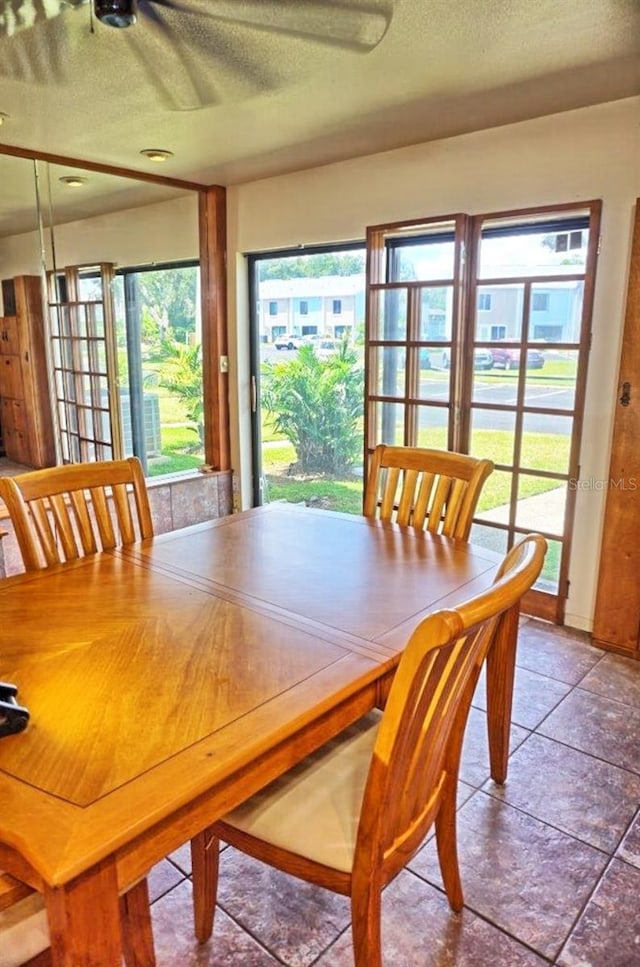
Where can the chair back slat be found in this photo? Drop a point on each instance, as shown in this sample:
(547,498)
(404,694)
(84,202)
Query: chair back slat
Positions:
(436,490)
(102,517)
(43,527)
(80,522)
(419,742)
(123,512)
(423,497)
(63,513)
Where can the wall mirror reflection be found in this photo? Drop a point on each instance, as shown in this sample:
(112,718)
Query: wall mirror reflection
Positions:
(100,275)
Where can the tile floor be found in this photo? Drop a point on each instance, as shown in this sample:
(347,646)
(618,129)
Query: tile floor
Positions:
(550,862)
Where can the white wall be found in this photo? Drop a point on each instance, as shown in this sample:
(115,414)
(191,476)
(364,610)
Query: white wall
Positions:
(579,155)
(162,232)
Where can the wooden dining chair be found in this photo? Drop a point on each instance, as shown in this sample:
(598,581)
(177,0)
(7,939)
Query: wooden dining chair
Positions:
(435,490)
(62,513)
(351,815)
(24,932)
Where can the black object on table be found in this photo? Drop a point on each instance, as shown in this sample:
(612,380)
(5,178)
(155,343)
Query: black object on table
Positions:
(13,717)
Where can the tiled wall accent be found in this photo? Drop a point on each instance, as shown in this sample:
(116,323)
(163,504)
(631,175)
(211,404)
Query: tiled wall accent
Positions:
(176,501)
(184,499)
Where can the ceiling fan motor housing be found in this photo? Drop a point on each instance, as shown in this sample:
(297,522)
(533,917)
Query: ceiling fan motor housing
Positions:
(115,13)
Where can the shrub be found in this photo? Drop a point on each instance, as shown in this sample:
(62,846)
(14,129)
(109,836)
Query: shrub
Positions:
(317,405)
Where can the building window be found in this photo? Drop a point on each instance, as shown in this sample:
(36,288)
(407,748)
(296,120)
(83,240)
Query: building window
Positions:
(304,308)
(273,308)
(567,241)
(337,307)
(540,301)
(498,332)
(484,301)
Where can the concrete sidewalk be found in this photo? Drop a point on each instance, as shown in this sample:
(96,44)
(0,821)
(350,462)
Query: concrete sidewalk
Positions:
(543,512)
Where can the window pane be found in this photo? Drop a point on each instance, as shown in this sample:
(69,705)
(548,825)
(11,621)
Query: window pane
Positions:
(422,262)
(89,286)
(503,319)
(392,315)
(492,435)
(83,356)
(435,313)
(556,312)
(530,253)
(433,426)
(79,321)
(433,379)
(546,442)
(391,371)
(389,422)
(490,537)
(548,580)
(541,504)
(493,503)
(554,386)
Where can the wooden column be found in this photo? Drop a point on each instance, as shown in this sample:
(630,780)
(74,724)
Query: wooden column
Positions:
(213,281)
(617,616)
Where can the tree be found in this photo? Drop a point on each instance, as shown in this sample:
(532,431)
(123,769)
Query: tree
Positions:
(168,300)
(313,266)
(317,404)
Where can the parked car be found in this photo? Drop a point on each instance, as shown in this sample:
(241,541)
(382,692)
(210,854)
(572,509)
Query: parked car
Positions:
(482,359)
(288,341)
(505,357)
(327,347)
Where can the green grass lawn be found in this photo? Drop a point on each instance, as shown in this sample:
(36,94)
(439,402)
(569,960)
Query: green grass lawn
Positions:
(177,453)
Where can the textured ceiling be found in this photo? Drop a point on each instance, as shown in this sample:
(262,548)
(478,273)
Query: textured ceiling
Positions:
(242,89)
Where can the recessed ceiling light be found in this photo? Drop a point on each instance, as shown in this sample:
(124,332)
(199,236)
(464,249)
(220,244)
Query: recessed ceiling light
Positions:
(3,117)
(157,154)
(73,181)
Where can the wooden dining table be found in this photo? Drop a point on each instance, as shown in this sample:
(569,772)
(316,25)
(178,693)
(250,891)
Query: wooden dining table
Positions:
(169,680)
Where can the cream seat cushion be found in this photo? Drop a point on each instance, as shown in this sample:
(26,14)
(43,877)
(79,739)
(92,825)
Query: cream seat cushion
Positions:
(314,809)
(23,931)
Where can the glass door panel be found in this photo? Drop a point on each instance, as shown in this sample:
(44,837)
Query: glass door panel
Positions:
(546,443)
(308,374)
(391,362)
(436,305)
(392,314)
(433,427)
(418,260)
(530,313)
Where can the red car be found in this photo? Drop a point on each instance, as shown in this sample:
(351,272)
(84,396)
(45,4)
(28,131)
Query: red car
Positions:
(509,358)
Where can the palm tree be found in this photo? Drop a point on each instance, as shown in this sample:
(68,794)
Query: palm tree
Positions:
(182,374)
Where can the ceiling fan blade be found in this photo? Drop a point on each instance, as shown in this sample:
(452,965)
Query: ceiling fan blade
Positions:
(339,23)
(38,56)
(19,15)
(192,39)
(186,89)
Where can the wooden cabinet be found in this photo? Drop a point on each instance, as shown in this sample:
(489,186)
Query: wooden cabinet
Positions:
(25,407)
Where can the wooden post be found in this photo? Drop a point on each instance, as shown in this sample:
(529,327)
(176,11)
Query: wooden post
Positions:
(213,281)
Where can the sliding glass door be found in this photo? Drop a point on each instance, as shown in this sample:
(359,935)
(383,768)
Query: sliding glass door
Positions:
(308,376)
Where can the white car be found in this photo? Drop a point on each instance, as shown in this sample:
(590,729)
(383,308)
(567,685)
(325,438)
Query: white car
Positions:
(288,341)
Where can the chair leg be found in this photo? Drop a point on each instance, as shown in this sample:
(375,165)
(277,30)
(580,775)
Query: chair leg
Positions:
(366,912)
(137,935)
(446,841)
(205,861)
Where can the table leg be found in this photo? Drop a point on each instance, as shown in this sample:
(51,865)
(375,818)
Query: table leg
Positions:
(84,920)
(501,664)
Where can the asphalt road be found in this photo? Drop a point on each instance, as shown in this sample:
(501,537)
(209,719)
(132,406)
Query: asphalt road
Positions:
(491,390)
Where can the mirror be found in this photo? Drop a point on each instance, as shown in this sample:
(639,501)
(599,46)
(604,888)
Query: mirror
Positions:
(111,249)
